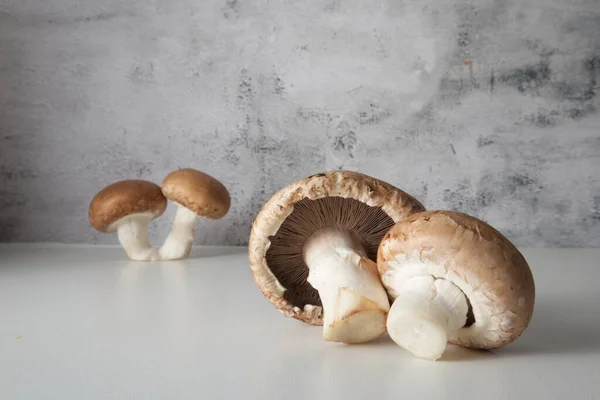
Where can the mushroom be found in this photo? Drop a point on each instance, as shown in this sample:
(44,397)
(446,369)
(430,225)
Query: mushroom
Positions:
(454,278)
(313,246)
(126,207)
(196,195)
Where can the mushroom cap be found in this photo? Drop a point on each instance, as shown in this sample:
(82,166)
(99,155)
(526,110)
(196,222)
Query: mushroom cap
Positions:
(364,195)
(124,198)
(197,191)
(484,264)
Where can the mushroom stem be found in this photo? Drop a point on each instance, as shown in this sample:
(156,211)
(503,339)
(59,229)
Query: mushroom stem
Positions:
(179,242)
(355,303)
(133,236)
(425,313)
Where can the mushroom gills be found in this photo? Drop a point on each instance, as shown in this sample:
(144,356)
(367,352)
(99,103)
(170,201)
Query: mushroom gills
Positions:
(355,303)
(425,313)
(285,253)
(133,236)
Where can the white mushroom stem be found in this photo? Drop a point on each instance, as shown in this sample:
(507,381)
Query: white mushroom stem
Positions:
(133,236)
(179,242)
(355,303)
(425,313)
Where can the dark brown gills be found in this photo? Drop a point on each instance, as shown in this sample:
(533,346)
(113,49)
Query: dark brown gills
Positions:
(284,256)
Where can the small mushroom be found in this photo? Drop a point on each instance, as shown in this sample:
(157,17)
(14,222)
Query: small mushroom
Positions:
(313,247)
(126,207)
(196,195)
(454,278)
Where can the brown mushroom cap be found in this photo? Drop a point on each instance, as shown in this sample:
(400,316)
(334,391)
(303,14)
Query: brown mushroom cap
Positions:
(197,191)
(356,202)
(125,198)
(484,264)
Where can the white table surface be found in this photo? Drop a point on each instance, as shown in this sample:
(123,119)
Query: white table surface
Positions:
(81,322)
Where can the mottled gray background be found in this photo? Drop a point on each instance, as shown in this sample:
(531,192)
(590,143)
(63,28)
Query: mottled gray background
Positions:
(489,107)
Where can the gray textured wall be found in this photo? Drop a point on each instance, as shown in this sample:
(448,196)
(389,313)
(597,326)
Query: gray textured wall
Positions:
(489,107)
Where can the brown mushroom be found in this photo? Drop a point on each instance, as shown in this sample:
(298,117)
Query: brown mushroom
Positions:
(313,247)
(126,207)
(196,195)
(454,278)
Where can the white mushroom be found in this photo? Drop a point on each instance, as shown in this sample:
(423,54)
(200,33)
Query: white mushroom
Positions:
(126,207)
(454,278)
(313,248)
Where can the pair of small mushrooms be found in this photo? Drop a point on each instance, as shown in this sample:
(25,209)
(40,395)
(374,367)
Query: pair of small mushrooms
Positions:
(336,249)
(126,207)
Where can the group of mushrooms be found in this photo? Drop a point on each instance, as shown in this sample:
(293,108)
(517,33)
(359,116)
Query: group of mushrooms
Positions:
(354,254)
(126,207)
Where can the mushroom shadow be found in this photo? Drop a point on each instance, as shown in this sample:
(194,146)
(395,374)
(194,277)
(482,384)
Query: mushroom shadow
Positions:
(452,353)
(216,251)
(566,323)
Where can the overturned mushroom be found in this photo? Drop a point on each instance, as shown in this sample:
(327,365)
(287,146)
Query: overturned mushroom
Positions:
(196,195)
(126,207)
(313,246)
(454,278)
